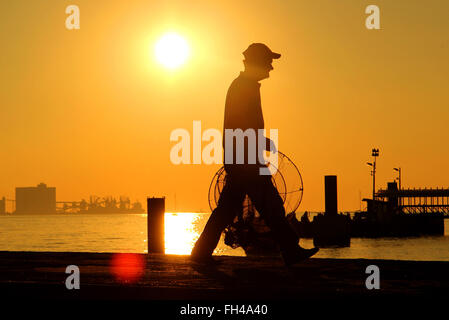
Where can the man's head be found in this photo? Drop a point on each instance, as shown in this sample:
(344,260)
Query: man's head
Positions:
(258,59)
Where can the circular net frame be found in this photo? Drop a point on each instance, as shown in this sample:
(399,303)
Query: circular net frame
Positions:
(248,230)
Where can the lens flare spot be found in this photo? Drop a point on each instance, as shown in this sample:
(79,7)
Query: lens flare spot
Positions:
(127,267)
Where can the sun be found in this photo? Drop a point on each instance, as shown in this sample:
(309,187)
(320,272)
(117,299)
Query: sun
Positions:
(172,50)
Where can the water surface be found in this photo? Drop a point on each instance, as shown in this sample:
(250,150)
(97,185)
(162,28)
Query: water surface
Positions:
(127,233)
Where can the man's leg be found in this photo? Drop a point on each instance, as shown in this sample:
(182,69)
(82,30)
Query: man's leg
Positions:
(231,199)
(268,203)
(270,206)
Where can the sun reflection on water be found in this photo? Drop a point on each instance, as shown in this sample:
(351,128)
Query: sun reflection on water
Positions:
(181,232)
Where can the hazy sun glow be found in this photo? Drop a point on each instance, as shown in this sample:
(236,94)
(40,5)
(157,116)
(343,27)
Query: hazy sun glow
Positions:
(172,50)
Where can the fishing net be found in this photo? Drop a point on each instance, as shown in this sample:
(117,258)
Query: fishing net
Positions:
(248,230)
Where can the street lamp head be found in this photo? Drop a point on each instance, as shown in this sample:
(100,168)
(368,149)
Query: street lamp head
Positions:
(395,169)
(369,163)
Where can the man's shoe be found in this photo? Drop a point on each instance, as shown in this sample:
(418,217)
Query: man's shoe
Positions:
(300,255)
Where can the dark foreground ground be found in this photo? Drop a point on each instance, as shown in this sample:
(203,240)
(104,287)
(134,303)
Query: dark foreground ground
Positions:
(41,275)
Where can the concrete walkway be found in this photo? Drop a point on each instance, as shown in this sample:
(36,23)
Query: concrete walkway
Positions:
(42,275)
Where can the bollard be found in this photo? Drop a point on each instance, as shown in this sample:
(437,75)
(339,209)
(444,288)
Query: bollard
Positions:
(330,194)
(156,225)
(331,229)
(2,205)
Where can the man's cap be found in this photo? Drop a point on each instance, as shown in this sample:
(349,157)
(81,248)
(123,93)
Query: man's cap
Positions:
(259,51)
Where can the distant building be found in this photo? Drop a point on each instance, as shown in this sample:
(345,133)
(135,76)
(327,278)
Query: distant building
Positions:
(38,199)
(2,205)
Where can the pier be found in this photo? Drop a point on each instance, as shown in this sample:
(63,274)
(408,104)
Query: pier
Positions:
(41,275)
(418,201)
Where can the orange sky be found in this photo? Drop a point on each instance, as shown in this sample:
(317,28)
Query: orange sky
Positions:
(89,111)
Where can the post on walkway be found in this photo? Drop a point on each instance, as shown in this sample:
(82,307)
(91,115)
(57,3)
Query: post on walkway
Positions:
(2,205)
(155,225)
(330,195)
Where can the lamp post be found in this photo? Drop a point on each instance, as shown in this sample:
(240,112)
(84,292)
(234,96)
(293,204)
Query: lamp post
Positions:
(399,179)
(375,154)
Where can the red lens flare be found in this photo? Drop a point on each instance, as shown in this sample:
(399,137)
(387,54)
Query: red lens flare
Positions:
(127,267)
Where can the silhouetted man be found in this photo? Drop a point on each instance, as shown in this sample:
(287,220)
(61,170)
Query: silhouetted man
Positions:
(243,111)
